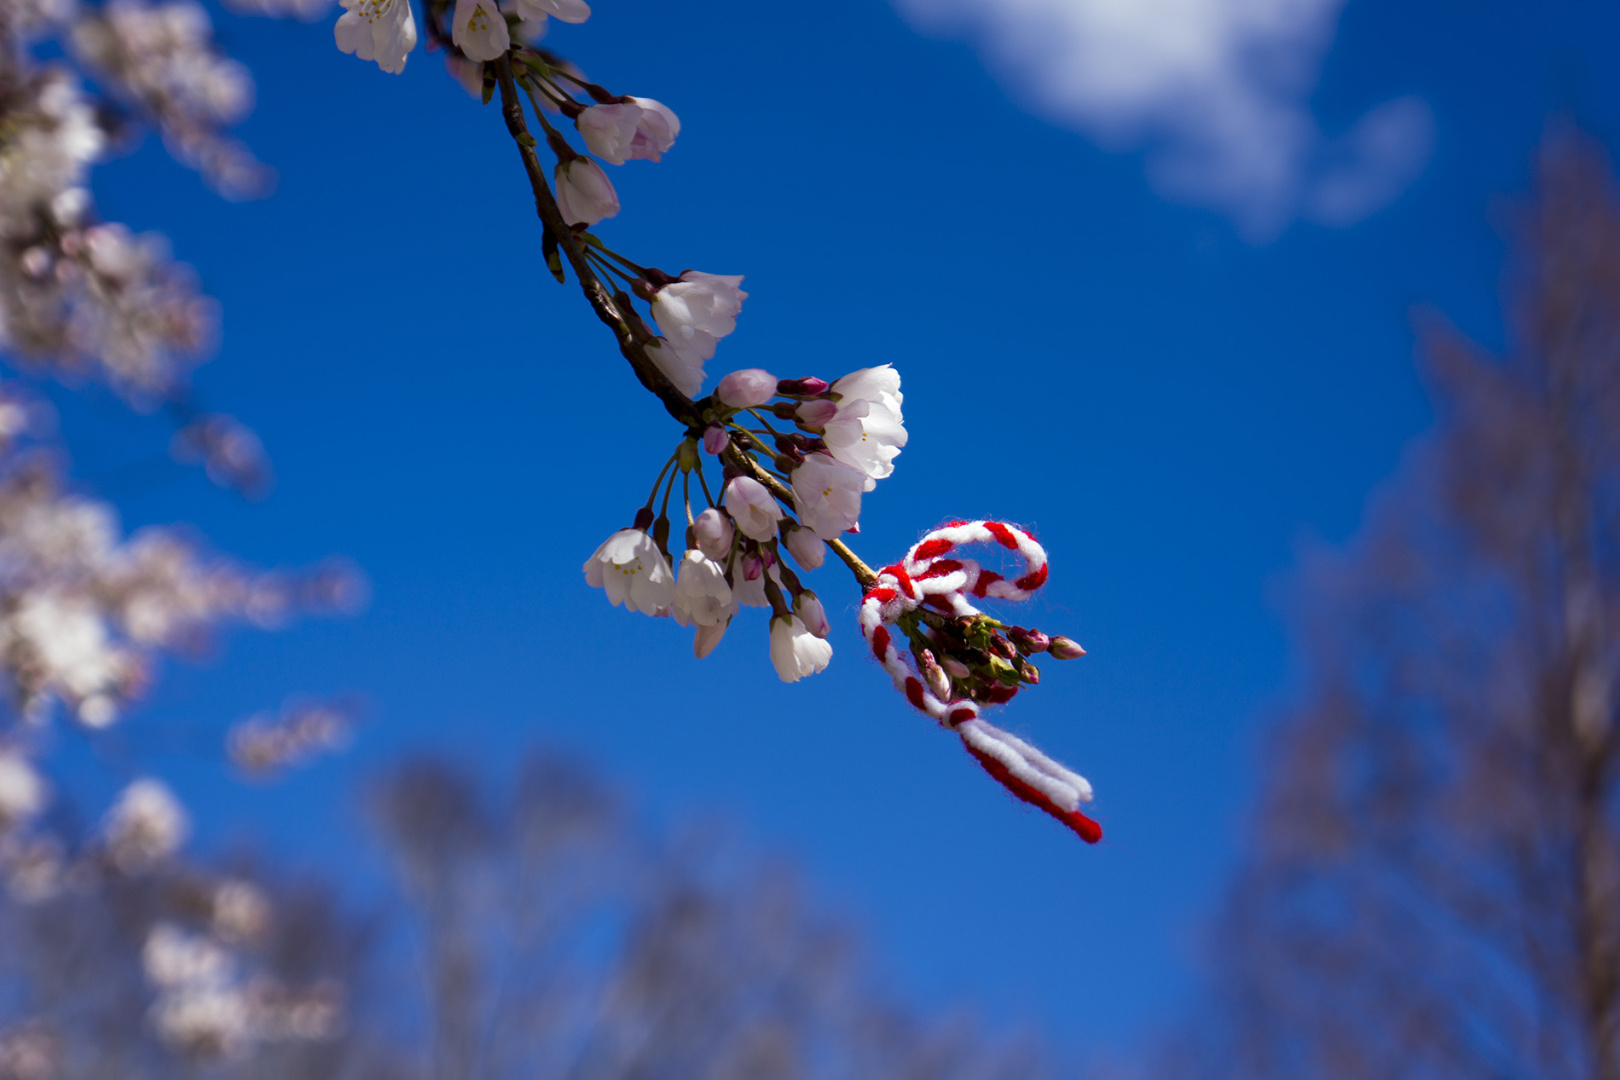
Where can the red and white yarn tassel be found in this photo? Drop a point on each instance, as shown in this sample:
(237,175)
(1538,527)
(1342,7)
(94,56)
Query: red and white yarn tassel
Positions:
(929,576)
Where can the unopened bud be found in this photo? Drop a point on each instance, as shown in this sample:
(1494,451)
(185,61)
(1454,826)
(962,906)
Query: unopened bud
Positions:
(686,455)
(1003,648)
(1029,642)
(816,414)
(707,637)
(752,567)
(938,683)
(806,387)
(807,606)
(714,438)
(1065,649)
(746,389)
(807,549)
(956,668)
(713,532)
(1030,674)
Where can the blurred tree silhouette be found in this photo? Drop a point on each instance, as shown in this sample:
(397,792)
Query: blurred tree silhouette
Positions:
(541,936)
(555,942)
(1435,884)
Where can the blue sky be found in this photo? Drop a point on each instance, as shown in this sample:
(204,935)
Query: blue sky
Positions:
(1173,401)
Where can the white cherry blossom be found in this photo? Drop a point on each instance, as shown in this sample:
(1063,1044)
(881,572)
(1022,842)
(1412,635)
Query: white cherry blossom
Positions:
(751,592)
(752,507)
(795,651)
(146,825)
(609,131)
(585,195)
(479,29)
(22,791)
(569,11)
(633,572)
(827,493)
(697,311)
(816,413)
(655,130)
(380,30)
(174,957)
(702,597)
(868,429)
(684,372)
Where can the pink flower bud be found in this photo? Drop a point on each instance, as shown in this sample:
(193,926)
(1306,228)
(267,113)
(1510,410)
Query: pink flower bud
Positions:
(707,637)
(584,193)
(956,668)
(1065,649)
(714,533)
(714,438)
(806,387)
(746,389)
(816,414)
(807,549)
(752,567)
(938,684)
(807,606)
(1029,642)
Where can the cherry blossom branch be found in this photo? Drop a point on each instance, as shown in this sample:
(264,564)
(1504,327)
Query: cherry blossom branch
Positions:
(678,405)
(792,487)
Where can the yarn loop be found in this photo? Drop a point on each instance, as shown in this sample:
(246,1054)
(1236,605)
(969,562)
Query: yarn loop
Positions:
(934,575)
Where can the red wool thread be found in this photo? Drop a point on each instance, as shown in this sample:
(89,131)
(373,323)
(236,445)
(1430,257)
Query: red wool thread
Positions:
(926,576)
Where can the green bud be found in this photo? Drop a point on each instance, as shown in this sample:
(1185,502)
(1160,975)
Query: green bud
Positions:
(686,455)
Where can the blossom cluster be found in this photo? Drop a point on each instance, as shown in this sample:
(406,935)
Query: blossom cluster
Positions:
(84,612)
(788,488)
(81,298)
(795,455)
(384,31)
(265,743)
(206,1008)
(207,1003)
(87,612)
(160,60)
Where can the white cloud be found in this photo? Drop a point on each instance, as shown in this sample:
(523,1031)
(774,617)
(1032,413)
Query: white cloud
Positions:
(1216,91)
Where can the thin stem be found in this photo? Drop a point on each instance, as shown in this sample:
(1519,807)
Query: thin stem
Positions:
(654,493)
(755,414)
(608,267)
(663,511)
(706,493)
(595,242)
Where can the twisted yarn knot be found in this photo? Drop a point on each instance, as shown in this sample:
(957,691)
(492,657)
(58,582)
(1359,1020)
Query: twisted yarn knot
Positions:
(930,576)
